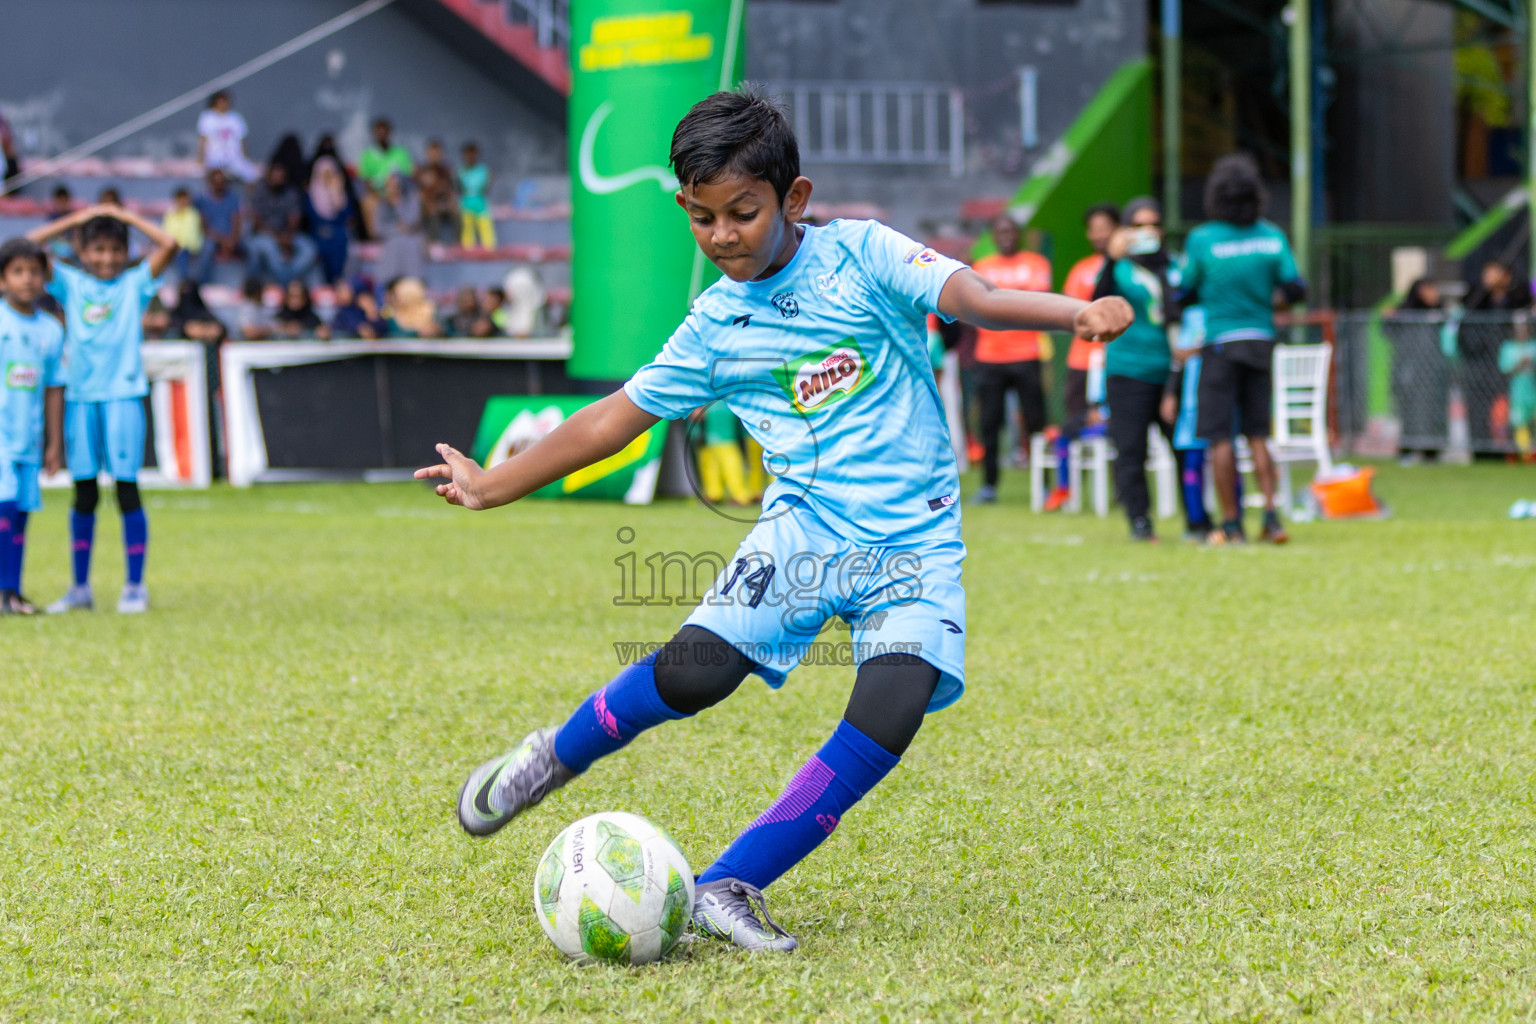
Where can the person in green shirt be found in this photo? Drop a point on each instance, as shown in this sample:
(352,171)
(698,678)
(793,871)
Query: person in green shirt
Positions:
(1235,265)
(384,158)
(1136,365)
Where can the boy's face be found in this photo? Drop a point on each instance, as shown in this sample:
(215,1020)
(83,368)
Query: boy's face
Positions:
(1100,227)
(471,155)
(434,153)
(216,182)
(1005,235)
(740,224)
(104,257)
(23,281)
(182,200)
(381,134)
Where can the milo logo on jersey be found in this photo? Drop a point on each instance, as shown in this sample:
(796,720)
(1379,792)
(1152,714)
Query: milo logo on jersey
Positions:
(826,376)
(21,376)
(96,313)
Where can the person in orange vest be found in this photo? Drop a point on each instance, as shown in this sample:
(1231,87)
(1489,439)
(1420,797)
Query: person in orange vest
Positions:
(1099,223)
(1009,360)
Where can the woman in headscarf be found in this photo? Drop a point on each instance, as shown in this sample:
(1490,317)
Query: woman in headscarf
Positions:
(328,211)
(326,147)
(397,223)
(1420,374)
(290,155)
(296,316)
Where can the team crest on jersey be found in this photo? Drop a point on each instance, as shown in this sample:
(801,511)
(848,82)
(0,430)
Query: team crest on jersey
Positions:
(921,256)
(827,282)
(96,313)
(21,376)
(826,376)
(785,303)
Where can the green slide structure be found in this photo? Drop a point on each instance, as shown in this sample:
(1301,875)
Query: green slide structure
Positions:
(1104,157)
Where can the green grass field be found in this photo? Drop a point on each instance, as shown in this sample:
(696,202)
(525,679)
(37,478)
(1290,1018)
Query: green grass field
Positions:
(1184,784)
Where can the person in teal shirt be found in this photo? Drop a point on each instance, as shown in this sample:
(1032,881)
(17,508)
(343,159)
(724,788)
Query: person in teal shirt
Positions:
(474,180)
(1136,366)
(1235,264)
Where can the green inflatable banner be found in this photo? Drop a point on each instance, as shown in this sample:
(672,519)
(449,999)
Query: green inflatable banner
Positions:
(510,423)
(637,66)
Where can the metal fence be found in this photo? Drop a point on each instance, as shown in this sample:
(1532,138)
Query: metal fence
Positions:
(1430,382)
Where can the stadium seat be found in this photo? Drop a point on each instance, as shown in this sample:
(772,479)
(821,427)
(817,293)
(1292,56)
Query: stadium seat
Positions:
(1093,455)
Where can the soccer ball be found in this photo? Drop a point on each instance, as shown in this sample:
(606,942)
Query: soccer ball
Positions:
(613,887)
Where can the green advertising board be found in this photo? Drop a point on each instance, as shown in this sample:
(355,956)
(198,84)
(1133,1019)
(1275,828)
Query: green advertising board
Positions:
(510,423)
(637,66)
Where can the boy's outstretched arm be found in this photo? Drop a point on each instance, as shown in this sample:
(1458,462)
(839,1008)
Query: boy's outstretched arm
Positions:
(970,297)
(44,233)
(587,436)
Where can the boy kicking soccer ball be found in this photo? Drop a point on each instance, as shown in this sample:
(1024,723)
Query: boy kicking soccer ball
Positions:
(815,339)
(105,383)
(31,353)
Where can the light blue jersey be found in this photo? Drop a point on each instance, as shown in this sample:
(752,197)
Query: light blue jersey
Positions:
(32,357)
(103,331)
(826,364)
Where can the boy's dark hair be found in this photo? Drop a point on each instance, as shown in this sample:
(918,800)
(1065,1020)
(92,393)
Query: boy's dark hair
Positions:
(23,249)
(62,192)
(1235,192)
(470,145)
(384,121)
(104,229)
(252,289)
(741,132)
(222,94)
(1109,210)
(181,191)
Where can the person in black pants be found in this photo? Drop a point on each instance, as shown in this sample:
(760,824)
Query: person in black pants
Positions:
(1136,365)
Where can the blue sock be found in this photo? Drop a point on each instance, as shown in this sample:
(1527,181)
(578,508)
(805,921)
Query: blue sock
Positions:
(1063,460)
(135,540)
(82,530)
(1194,488)
(611,717)
(843,770)
(9,549)
(18,548)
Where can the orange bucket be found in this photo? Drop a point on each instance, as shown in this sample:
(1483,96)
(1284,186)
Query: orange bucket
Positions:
(1348,496)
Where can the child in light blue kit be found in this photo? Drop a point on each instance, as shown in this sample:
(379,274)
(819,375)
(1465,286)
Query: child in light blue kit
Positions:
(105,384)
(32,356)
(814,338)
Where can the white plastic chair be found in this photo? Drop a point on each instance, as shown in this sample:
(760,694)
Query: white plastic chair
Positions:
(1300,432)
(1092,455)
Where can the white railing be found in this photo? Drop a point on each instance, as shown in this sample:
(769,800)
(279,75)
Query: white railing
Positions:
(550,20)
(877,122)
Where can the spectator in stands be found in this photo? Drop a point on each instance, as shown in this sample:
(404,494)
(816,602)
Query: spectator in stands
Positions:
(384,159)
(1235,266)
(110,196)
(468,319)
(290,154)
(221,133)
(192,319)
(253,320)
(326,147)
(494,307)
(156,321)
(296,316)
(357,311)
(1420,374)
(1137,364)
(474,181)
(1009,360)
(8,149)
(276,249)
(62,247)
(434,182)
(1099,223)
(409,310)
(397,225)
(183,223)
(524,311)
(223,225)
(329,214)
(1497,291)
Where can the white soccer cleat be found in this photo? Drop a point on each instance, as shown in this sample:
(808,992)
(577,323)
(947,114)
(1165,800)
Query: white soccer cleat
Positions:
(75,599)
(134,600)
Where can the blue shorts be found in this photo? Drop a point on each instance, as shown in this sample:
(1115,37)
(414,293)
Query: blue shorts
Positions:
(792,574)
(105,436)
(18,483)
